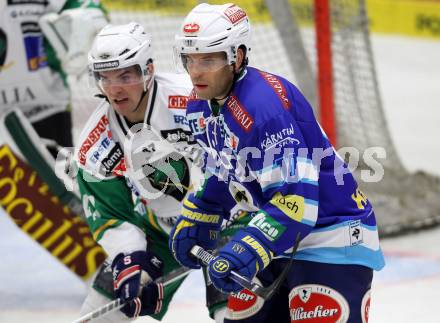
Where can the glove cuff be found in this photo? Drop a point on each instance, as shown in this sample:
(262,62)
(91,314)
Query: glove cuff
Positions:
(143,263)
(209,207)
(255,246)
(194,210)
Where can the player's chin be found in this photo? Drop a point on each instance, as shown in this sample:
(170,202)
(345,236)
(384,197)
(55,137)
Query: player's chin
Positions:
(203,92)
(122,106)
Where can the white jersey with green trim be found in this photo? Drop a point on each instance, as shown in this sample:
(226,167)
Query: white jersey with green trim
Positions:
(109,148)
(26,80)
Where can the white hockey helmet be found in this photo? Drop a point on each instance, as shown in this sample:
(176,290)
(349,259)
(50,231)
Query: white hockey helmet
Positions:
(121,46)
(214,28)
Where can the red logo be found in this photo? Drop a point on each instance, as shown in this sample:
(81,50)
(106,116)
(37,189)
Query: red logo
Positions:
(276,84)
(233,142)
(191,28)
(92,138)
(243,304)
(120,169)
(235,14)
(365,307)
(177,102)
(239,113)
(317,304)
(201,123)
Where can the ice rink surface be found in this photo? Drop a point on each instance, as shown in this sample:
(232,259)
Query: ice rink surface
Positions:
(35,288)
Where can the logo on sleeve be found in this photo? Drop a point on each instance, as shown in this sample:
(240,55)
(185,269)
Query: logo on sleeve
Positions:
(271,229)
(281,138)
(276,84)
(316,304)
(177,101)
(360,198)
(290,205)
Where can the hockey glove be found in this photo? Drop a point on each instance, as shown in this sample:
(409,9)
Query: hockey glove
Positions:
(199,224)
(132,281)
(71,34)
(245,254)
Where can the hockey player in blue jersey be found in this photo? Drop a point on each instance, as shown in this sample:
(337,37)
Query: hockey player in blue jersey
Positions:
(267,153)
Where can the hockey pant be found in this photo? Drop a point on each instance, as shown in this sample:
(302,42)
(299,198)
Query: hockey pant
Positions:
(101,292)
(312,292)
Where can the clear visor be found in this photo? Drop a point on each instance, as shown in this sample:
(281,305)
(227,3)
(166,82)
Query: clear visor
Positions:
(209,62)
(119,77)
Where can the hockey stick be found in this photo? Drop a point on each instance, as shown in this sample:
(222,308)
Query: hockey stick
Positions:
(118,303)
(264,292)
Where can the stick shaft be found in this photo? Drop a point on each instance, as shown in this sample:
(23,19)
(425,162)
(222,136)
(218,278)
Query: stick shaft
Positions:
(118,303)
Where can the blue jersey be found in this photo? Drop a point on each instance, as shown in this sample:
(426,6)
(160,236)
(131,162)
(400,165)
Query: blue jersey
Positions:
(267,153)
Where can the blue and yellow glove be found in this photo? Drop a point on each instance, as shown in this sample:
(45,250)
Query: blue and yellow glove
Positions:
(245,254)
(199,224)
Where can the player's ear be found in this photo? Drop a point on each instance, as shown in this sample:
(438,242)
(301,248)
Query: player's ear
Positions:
(240,59)
(150,67)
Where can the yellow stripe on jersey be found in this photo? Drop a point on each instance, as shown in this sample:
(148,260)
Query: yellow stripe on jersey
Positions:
(152,220)
(103,227)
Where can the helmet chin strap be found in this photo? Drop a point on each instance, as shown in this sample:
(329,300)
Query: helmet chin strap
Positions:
(147,86)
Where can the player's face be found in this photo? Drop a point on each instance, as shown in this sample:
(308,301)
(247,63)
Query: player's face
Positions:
(124,88)
(210,74)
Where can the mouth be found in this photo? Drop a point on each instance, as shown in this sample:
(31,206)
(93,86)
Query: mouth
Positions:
(200,86)
(119,102)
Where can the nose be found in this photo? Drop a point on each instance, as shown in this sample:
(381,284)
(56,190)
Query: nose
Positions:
(113,89)
(194,72)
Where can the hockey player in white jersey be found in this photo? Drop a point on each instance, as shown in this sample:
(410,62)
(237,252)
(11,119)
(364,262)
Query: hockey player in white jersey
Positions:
(137,162)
